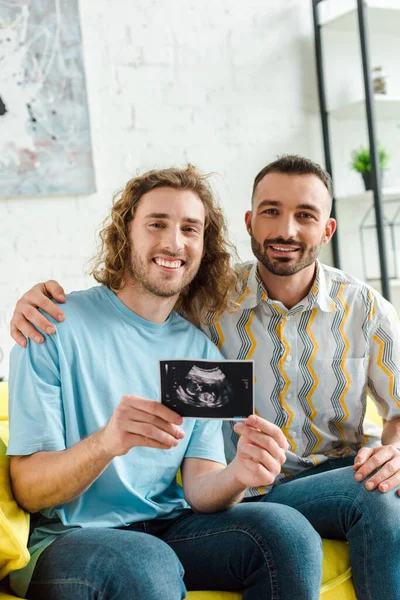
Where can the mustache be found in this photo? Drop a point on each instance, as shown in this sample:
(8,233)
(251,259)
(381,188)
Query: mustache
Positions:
(171,255)
(279,241)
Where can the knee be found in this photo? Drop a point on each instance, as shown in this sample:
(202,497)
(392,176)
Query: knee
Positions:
(284,545)
(286,533)
(150,572)
(291,533)
(297,550)
(108,563)
(378,507)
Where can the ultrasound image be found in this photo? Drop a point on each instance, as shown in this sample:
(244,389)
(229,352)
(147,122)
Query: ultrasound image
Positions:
(208,389)
(205,387)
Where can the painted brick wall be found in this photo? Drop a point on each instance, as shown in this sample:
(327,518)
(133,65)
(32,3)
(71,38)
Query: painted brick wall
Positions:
(226,85)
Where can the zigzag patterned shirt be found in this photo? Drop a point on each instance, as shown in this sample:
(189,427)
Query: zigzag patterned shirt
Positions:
(315,364)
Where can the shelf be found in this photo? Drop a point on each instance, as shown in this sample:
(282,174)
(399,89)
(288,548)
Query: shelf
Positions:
(386,107)
(388,194)
(380,20)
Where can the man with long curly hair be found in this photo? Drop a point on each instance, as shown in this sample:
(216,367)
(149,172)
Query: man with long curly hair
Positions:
(94,451)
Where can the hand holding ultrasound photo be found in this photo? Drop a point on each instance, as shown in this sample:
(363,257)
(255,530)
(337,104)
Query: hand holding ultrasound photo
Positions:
(204,389)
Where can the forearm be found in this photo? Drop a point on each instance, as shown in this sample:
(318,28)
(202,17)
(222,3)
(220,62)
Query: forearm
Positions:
(214,491)
(46,479)
(391,433)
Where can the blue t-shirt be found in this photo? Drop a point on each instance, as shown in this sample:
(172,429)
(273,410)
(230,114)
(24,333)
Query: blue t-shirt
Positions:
(67,388)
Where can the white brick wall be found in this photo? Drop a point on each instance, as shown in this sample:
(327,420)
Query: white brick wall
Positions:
(227,85)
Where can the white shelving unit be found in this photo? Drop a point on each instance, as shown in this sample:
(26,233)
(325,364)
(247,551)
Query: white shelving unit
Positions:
(345,101)
(386,107)
(367,196)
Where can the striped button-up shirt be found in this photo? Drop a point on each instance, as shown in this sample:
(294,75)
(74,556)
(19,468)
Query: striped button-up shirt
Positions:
(315,364)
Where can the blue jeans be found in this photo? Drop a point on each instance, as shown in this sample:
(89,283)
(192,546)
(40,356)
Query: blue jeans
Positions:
(269,551)
(340,507)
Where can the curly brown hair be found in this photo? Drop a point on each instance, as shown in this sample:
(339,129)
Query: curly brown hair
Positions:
(208,293)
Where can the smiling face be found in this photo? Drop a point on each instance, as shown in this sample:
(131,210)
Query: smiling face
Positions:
(166,238)
(289,222)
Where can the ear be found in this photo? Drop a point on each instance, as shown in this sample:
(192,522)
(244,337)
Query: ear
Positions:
(330,228)
(247,220)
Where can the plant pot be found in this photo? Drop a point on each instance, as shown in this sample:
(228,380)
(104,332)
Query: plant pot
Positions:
(367,178)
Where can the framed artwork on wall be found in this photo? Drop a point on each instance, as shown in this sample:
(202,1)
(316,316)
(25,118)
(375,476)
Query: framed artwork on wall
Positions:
(45,143)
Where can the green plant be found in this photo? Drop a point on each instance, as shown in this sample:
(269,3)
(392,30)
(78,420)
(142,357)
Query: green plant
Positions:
(361,161)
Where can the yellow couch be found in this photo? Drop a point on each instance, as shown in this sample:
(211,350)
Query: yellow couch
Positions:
(336,580)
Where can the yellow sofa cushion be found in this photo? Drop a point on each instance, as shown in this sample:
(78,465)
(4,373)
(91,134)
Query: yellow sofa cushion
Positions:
(372,413)
(4,411)
(14,522)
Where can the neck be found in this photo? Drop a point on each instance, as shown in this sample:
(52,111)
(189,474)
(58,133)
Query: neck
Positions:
(147,305)
(291,289)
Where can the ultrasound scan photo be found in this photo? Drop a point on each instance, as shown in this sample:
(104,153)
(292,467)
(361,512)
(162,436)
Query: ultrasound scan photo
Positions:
(208,389)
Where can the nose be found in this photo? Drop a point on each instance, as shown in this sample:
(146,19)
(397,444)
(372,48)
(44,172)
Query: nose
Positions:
(286,228)
(173,239)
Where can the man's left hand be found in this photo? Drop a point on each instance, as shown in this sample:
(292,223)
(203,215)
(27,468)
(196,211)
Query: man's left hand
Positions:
(260,452)
(384,458)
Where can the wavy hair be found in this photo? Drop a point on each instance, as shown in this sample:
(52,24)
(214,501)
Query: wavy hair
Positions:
(209,291)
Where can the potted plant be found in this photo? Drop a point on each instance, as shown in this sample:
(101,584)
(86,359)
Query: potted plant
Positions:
(361,162)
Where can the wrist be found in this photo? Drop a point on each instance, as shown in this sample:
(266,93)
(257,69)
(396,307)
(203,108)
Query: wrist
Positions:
(101,446)
(234,472)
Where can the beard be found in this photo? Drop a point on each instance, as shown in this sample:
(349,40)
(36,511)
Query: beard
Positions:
(283,266)
(162,286)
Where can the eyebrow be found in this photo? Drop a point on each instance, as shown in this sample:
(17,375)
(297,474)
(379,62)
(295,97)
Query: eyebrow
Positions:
(167,216)
(304,205)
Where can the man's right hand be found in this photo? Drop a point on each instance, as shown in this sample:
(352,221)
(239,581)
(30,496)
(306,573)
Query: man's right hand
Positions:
(140,422)
(26,315)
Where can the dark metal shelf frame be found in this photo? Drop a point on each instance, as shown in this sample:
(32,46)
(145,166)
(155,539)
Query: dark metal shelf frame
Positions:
(371,124)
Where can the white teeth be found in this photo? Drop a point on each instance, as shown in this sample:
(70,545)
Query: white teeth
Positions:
(283,249)
(166,263)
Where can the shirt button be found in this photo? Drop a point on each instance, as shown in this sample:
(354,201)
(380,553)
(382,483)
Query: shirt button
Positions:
(288,396)
(289,358)
(294,434)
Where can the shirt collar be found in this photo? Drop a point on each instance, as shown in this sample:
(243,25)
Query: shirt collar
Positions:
(253,291)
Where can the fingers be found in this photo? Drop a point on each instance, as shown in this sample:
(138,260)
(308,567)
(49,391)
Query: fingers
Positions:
(262,440)
(265,428)
(260,473)
(20,327)
(269,429)
(363,455)
(139,440)
(17,336)
(387,460)
(378,458)
(150,435)
(34,299)
(257,454)
(153,408)
(387,478)
(148,420)
(54,290)
(26,318)
(145,417)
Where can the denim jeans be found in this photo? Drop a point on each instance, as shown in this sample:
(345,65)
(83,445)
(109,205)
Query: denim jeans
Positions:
(269,551)
(340,507)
